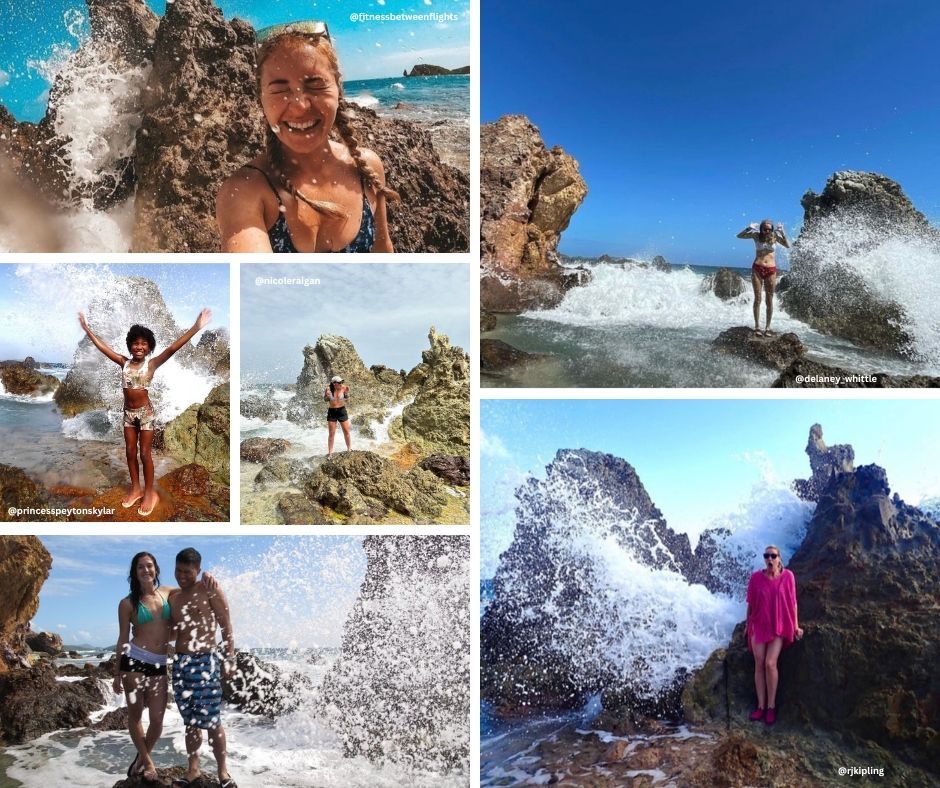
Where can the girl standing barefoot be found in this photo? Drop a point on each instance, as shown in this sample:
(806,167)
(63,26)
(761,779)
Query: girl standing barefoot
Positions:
(139,416)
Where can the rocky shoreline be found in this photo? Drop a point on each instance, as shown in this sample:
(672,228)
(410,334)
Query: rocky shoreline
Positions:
(421,476)
(195,443)
(199,120)
(857,686)
(528,195)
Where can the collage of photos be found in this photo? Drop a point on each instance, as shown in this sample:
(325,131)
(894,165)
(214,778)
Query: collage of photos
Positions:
(537,496)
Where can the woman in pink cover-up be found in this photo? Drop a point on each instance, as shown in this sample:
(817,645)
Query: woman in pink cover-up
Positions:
(772,625)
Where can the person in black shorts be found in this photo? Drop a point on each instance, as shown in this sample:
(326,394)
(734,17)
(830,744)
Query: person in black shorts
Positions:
(336,394)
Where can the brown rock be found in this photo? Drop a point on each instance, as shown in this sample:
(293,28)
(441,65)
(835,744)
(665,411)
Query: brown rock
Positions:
(22,379)
(724,283)
(191,479)
(527,197)
(487,321)
(115,720)
(45,642)
(498,356)
(32,702)
(453,469)
(616,752)
(165,777)
(297,509)
(263,449)
(24,567)
(18,490)
(778,350)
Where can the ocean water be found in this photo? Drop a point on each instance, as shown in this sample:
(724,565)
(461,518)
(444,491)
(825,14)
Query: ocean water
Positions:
(99,114)
(642,327)
(86,450)
(310,440)
(270,601)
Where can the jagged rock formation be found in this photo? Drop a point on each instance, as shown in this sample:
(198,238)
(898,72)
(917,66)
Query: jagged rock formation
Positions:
(371,393)
(91,382)
(258,687)
(777,351)
(24,567)
(44,643)
(165,778)
(363,487)
(190,79)
(21,378)
(407,644)
(806,373)
(262,449)
(856,212)
(439,417)
(826,463)
(530,658)
(497,356)
(527,197)
(866,669)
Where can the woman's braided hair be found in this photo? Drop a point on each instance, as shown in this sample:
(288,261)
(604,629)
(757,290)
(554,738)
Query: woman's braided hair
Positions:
(275,150)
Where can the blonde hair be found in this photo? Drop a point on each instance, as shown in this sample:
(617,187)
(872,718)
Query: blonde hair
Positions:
(779,551)
(274,148)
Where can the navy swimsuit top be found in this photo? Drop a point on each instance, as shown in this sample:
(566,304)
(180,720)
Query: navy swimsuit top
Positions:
(279,234)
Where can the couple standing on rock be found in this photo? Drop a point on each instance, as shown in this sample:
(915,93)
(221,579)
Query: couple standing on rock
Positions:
(188,616)
(764,268)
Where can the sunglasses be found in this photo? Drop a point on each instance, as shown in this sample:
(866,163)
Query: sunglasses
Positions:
(770,555)
(312,28)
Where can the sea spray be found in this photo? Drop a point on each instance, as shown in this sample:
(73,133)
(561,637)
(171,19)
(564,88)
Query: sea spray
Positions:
(597,592)
(850,262)
(400,691)
(96,109)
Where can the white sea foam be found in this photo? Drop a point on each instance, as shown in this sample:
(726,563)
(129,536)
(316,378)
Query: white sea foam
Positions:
(363,100)
(636,295)
(397,86)
(25,398)
(899,269)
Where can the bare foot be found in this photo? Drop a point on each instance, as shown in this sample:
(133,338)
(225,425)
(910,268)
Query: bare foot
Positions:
(148,504)
(132,497)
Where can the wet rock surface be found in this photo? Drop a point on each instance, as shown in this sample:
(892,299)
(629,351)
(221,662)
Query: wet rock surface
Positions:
(407,641)
(866,585)
(201,434)
(527,197)
(165,778)
(724,283)
(22,379)
(856,212)
(453,469)
(361,486)
(543,576)
(497,356)
(19,491)
(45,642)
(32,702)
(259,687)
(777,351)
(262,449)
(807,373)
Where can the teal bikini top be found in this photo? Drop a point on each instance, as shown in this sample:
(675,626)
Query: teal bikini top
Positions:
(144,616)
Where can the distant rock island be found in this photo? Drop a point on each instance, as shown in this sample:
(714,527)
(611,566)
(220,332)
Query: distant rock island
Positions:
(427,70)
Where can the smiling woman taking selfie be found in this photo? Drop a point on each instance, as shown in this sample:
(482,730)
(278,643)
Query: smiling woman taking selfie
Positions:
(312,190)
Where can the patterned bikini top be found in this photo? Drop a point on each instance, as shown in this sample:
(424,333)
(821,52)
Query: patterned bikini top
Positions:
(136,378)
(279,233)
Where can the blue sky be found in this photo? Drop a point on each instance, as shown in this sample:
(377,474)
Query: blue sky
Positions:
(39,303)
(384,309)
(32,28)
(690,120)
(698,459)
(282,591)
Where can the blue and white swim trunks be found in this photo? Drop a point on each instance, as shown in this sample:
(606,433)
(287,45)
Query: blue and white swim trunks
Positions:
(197,688)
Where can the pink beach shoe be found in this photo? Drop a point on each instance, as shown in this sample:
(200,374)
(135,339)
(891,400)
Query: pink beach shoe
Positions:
(771,717)
(757,715)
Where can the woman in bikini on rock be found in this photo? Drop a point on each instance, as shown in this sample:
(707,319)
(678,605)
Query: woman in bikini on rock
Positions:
(313,189)
(764,268)
(336,395)
(141,658)
(139,415)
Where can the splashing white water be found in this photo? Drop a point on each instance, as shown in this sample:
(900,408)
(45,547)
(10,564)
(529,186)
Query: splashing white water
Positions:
(897,269)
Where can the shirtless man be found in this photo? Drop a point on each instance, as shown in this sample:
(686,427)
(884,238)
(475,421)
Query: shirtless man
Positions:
(195,613)
(336,394)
